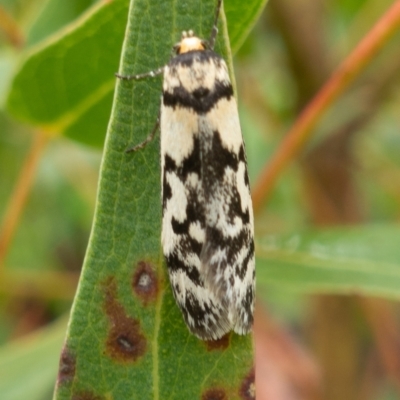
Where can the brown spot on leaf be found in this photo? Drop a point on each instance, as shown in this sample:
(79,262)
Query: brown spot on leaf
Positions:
(219,344)
(248,387)
(86,396)
(125,340)
(66,369)
(214,394)
(144,282)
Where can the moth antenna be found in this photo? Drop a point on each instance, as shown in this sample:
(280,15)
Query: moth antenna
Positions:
(214,30)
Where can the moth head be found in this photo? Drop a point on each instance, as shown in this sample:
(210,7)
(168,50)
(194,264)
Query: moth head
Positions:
(189,42)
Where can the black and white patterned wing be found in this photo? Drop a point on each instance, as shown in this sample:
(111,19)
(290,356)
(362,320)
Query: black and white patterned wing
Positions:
(207,229)
(227,257)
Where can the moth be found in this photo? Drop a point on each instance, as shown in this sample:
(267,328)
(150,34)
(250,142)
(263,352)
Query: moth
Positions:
(207,213)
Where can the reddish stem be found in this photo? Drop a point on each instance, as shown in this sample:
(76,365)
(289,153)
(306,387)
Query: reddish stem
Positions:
(297,136)
(20,194)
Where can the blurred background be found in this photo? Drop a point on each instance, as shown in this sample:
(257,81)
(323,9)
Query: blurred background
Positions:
(311,344)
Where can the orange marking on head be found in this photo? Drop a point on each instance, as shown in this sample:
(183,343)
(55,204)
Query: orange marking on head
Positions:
(189,42)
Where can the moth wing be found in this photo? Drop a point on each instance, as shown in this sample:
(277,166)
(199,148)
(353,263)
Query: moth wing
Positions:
(227,257)
(207,228)
(183,224)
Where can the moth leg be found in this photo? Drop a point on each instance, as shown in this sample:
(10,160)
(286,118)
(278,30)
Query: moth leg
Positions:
(148,139)
(137,77)
(150,74)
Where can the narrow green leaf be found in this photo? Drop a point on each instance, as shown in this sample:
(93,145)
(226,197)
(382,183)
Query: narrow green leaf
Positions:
(127,338)
(65,85)
(54,15)
(241,17)
(28,366)
(360,260)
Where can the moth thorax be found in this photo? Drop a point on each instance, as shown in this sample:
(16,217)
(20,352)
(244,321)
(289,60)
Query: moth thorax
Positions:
(189,42)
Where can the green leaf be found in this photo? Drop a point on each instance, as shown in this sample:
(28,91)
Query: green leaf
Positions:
(241,17)
(65,85)
(54,15)
(28,366)
(359,260)
(127,338)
